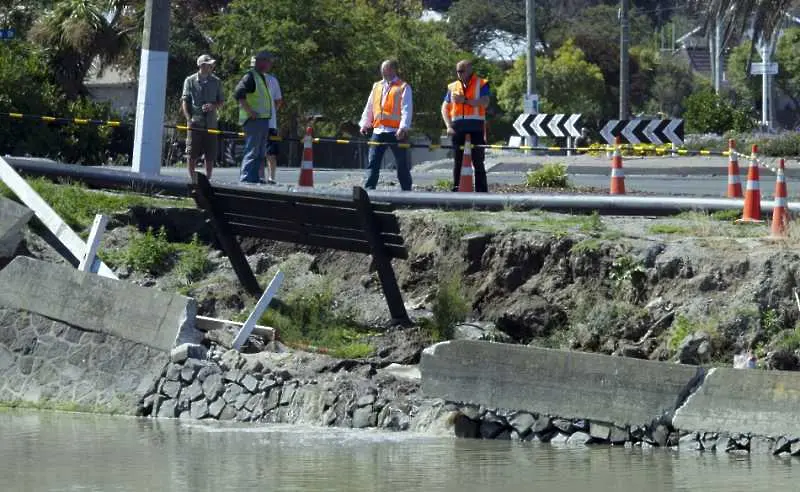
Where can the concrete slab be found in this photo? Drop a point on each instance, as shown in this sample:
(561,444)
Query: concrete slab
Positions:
(148,316)
(13,218)
(764,403)
(617,390)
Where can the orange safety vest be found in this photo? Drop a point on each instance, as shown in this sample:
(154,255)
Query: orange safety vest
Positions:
(472,91)
(386,111)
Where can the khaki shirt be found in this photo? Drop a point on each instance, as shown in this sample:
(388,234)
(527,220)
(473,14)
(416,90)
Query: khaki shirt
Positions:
(198,92)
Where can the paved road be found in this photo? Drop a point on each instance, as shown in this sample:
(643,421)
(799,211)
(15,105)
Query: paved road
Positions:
(710,186)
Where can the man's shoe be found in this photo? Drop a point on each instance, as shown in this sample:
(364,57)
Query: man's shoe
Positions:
(262,182)
(272,182)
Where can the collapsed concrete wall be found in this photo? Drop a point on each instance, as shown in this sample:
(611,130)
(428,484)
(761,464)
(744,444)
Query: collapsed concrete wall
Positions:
(13,218)
(506,391)
(49,363)
(71,337)
(94,303)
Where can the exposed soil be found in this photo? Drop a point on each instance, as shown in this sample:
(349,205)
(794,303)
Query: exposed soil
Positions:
(691,288)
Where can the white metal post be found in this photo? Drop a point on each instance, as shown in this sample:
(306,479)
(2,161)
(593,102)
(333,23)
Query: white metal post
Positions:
(261,306)
(90,262)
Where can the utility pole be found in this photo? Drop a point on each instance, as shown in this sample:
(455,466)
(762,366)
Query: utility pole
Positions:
(150,101)
(624,70)
(530,31)
(717,53)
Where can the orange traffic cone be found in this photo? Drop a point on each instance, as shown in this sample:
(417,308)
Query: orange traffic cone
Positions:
(734,180)
(617,174)
(466,182)
(307,167)
(752,194)
(780,213)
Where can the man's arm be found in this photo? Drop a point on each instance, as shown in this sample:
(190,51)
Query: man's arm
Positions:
(446,114)
(220,99)
(483,100)
(186,98)
(245,86)
(367,116)
(277,95)
(406,113)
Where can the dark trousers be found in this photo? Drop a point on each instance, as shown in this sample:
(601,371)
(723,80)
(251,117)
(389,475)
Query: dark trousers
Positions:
(478,157)
(376,157)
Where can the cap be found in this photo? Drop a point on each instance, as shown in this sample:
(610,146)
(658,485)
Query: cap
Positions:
(264,55)
(205,60)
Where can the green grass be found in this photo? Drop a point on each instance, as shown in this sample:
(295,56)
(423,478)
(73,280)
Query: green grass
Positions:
(668,229)
(193,262)
(78,205)
(788,340)
(682,327)
(548,176)
(443,184)
(450,308)
(591,245)
(61,406)
(726,215)
(310,319)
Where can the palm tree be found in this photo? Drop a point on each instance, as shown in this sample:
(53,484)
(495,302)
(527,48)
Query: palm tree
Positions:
(762,16)
(73,33)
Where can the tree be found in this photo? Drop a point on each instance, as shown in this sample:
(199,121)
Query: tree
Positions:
(707,112)
(567,84)
(672,83)
(329,53)
(761,16)
(73,33)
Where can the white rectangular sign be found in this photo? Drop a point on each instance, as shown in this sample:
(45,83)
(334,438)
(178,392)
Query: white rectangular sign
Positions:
(760,68)
(530,103)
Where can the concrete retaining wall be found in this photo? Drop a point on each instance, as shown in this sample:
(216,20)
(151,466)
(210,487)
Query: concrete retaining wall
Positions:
(94,303)
(50,363)
(617,390)
(765,403)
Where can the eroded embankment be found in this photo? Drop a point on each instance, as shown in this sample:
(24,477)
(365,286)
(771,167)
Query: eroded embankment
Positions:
(693,289)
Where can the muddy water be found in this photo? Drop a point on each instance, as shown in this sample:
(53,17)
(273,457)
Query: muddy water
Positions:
(42,451)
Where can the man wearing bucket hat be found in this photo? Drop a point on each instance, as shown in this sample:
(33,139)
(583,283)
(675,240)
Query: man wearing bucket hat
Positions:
(255,112)
(202,97)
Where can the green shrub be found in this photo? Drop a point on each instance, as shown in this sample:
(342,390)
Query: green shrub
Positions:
(150,253)
(193,262)
(548,176)
(449,308)
(707,112)
(443,184)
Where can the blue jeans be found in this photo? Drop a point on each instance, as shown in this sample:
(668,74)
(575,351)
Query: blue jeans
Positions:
(255,148)
(375,158)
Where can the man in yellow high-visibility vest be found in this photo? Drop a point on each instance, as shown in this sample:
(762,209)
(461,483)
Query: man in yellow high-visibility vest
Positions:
(255,112)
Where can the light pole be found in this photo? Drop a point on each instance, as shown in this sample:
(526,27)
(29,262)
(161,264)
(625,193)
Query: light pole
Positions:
(530,24)
(624,70)
(150,101)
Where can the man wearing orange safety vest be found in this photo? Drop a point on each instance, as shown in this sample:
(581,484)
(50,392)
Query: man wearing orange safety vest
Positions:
(388,115)
(464,113)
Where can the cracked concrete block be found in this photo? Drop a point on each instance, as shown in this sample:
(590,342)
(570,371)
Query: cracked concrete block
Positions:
(13,218)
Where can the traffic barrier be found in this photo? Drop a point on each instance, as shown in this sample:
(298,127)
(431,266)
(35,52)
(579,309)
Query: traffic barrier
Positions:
(752,196)
(617,174)
(466,183)
(734,179)
(307,167)
(639,149)
(780,213)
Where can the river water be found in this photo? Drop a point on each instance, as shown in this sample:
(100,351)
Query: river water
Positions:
(51,451)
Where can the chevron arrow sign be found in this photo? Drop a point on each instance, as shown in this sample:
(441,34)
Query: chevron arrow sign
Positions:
(638,131)
(548,125)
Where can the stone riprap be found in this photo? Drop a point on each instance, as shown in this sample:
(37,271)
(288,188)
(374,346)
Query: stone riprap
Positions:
(271,387)
(139,314)
(619,390)
(736,400)
(474,422)
(13,218)
(46,362)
